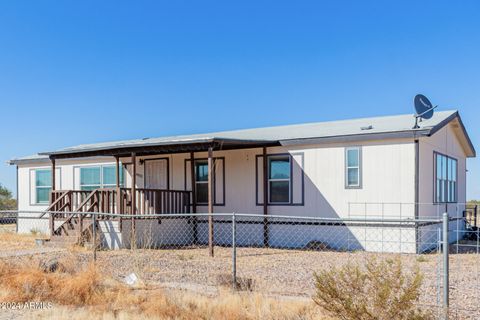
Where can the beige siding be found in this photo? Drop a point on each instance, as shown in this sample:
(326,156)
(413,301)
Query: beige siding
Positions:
(445,142)
(387,174)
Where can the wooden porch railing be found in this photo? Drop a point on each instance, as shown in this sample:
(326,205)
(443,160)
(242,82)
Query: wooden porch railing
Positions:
(66,200)
(155,201)
(148,201)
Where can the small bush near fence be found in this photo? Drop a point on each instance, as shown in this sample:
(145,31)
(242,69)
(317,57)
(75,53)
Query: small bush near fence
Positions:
(379,290)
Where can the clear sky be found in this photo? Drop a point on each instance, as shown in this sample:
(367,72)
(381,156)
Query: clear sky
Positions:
(76,72)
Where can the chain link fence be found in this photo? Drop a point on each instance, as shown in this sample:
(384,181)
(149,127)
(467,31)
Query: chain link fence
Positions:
(275,255)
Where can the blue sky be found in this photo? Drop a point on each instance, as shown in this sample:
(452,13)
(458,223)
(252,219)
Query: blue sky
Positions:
(76,72)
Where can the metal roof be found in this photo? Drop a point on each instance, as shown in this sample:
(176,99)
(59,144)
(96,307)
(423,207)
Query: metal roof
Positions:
(28,159)
(41,158)
(363,128)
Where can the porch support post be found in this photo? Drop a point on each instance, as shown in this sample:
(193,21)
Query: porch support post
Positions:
(210,201)
(52,198)
(194,198)
(265,198)
(118,198)
(53,174)
(133,240)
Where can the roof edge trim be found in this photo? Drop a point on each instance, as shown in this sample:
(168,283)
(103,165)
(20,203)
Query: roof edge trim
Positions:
(443,123)
(358,137)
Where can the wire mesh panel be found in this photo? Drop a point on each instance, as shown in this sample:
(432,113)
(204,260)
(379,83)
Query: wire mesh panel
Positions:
(464,269)
(280,254)
(271,254)
(8,221)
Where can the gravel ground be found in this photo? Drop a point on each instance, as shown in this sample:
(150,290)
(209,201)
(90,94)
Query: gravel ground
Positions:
(283,272)
(29,252)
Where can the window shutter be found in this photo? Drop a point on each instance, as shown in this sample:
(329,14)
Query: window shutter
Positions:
(259,179)
(33,193)
(188,175)
(58,178)
(297,178)
(219,181)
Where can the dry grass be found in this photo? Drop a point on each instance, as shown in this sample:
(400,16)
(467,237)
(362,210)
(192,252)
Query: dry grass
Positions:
(183,306)
(29,282)
(10,240)
(81,291)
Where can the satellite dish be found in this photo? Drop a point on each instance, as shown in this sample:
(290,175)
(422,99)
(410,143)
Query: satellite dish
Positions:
(423,107)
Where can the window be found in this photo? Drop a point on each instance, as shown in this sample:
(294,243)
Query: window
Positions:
(92,178)
(201,181)
(279,173)
(43,185)
(353,168)
(284,182)
(445,179)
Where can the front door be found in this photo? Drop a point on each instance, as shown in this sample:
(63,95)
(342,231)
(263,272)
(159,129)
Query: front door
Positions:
(156,174)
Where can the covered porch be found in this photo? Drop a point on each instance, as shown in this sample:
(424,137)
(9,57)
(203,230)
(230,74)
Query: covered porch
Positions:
(136,200)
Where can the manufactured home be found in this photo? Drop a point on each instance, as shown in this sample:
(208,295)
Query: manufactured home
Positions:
(379,166)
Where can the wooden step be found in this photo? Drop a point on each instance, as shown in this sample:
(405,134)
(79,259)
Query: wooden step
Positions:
(71,235)
(73,226)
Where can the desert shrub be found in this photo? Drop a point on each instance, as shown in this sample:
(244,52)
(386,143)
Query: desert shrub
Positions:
(379,290)
(242,284)
(316,245)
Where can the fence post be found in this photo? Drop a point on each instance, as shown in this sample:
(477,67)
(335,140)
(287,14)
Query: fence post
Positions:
(51,222)
(475,216)
(446,283)
(94,226)
(234,252)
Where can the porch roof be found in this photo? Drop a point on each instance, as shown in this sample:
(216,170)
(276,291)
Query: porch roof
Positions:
(398,126)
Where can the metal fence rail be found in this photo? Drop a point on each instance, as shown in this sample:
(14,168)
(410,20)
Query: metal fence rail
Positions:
(277,254)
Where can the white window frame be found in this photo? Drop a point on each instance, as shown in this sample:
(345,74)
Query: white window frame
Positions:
(42,187)
(446,183)
(269,180)
(359,167)
(101,185)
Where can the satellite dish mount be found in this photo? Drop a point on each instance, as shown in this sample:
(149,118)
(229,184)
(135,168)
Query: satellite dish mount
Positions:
(424,109)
